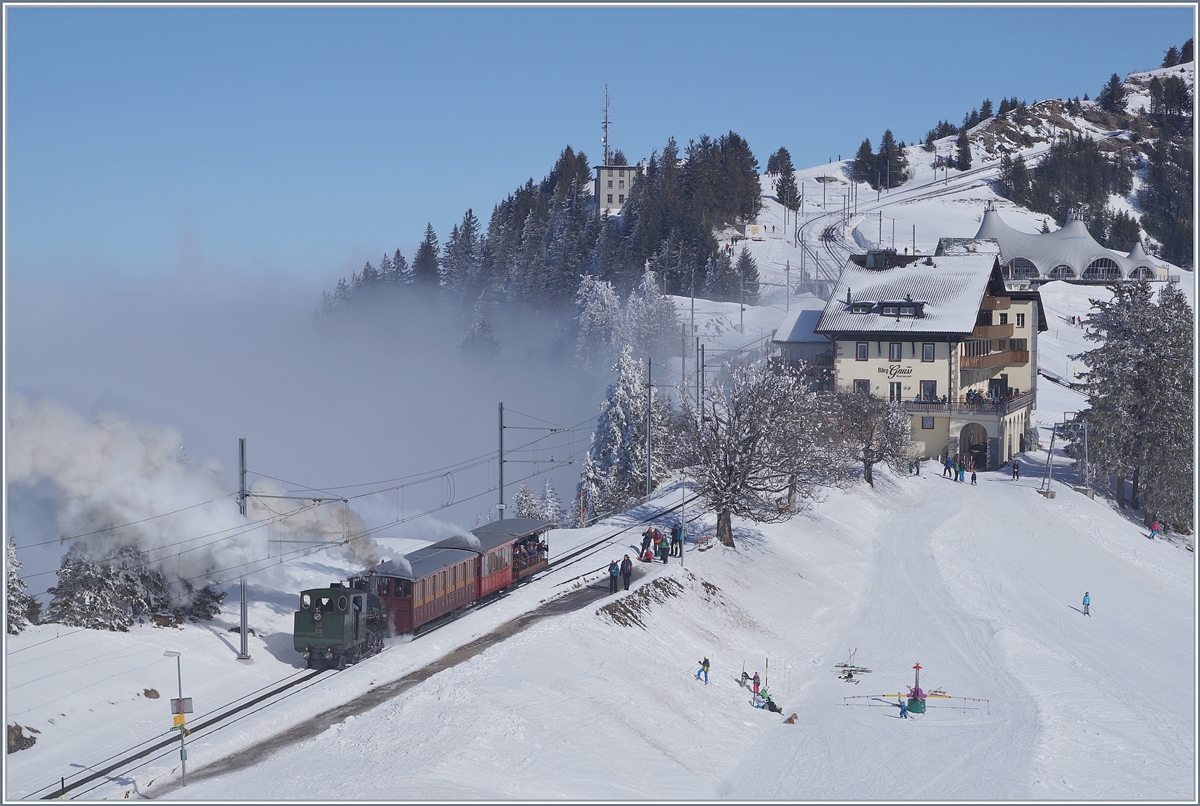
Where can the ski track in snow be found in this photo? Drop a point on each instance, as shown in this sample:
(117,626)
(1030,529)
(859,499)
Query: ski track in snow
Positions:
(980,584)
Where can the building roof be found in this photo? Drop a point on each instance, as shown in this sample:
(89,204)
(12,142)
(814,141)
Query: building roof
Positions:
(1072,246)
(951,287)
(797,328)
(423,562)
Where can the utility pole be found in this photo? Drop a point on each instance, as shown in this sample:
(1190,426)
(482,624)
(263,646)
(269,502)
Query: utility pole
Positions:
(787,297)
(244,652)
(699,367)
(649,422)
(500,505)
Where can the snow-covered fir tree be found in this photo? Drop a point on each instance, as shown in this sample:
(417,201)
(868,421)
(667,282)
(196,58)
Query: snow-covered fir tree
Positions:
(1139,387)
(648,322)
(525,503)
(549,507)
(599,310)
(115,592)
(614,471)
(20,609)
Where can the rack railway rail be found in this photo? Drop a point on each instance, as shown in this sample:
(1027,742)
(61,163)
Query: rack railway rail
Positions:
(133,758)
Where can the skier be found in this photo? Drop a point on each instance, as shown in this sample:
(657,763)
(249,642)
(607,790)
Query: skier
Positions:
(1016,470)
(703,670)
(903,709)
(664,550)
(1153,531)
(1087,602)
(972,476)
(755,681)
(613,570)
(646,537)
(948,470)
(626,570)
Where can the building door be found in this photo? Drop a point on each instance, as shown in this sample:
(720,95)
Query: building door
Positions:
(929,390)
(894,391)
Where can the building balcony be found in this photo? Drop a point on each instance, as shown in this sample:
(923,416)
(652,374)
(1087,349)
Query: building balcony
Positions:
(996,303)
(999,409)
(994,359)
(992,332)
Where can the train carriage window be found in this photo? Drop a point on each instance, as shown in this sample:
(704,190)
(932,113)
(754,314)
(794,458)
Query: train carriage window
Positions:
(326,604)
(404,587)
(305,601)
(341,604)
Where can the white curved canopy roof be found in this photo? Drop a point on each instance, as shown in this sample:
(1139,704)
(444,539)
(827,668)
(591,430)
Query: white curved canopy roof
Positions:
(1071,253)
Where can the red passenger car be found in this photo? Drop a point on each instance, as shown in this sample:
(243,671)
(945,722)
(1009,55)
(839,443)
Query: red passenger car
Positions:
(432,582)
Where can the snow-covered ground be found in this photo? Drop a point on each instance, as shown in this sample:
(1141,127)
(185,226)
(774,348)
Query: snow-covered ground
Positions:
(981,585)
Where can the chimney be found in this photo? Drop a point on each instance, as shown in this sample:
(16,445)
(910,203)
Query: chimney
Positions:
(847,296)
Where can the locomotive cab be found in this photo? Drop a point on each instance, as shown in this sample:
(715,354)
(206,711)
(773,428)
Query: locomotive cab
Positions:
(336,626)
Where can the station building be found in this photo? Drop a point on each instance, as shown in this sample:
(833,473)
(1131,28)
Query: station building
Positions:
(943,338)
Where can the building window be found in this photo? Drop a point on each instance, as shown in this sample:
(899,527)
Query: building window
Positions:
(927,422)
(610,183)
(890,310)
(894,351)
(1004,319)
(1020,320)
(861,351)
(1003,345)
(621,171)
(926,352)
(862,387)
(610,198)
(908,310)
(621,198)
(928,391)
(621,184)
(610,171)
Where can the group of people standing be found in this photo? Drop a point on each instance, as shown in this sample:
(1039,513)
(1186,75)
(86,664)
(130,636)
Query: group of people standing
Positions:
(956,468)
(657,546)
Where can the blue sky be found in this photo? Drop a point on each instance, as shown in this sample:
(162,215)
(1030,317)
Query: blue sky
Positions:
(304,141)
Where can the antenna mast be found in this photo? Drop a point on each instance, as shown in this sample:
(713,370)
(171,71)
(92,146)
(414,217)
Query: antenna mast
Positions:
(606,122)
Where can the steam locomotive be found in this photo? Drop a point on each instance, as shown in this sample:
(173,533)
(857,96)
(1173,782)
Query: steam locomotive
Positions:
(345,622)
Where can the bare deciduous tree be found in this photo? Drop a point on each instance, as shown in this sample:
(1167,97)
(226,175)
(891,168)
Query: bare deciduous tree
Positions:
(874,431)
(763,447)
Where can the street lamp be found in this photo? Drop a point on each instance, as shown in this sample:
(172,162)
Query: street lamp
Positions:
(182,745)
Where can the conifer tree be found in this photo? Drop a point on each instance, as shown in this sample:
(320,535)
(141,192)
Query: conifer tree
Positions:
(549,507)
(747,273)
(599,311)
(524,503)
(614,471)
(786,190)
(1112,96)
(20,609)
(963,162)
(426,273)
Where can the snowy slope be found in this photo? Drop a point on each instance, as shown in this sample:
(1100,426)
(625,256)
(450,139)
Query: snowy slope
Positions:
(978,584)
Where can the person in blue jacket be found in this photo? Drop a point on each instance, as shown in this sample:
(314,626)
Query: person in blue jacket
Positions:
(613,571)
(1087,601)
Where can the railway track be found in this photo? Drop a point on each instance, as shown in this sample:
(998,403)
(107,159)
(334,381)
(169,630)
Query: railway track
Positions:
(133,758)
